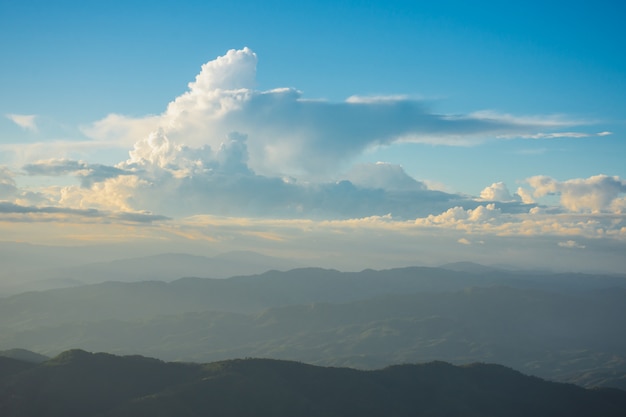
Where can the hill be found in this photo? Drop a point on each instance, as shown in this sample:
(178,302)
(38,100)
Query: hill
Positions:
(23,355)
(78,383)
(365,320)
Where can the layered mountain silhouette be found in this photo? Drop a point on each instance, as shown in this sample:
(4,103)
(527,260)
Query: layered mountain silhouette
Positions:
(565,327)
(78,383)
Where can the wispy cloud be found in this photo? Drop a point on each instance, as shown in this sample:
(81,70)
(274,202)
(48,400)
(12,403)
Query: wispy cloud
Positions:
(25,121)
(555,135)
(89,173)
(58,214)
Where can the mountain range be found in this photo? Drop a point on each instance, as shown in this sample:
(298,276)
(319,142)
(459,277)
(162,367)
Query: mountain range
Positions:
(79,383)
(565,327)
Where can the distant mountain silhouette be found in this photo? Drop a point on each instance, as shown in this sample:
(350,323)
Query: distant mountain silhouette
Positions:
(23,355)
(160,267)
(78,383)
(471,267)
(365,320)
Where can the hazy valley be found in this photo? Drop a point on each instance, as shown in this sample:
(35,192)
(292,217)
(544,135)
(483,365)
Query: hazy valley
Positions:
(563,327)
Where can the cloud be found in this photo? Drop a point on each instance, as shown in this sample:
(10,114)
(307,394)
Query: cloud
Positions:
(571,244)
(56,214)
(89,173)
(460,216)
(159,175)
(7,183)
(25,121)
(384,176)
(525,196)
(556,135)
(289,134)
(497,192)
(537,221)
(223,148)
(594,194)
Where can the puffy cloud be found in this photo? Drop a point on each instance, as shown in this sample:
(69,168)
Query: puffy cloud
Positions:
(25,121)
(160,175)
(525,195)
(236,69)
(619,205)
(112,194)
(490,220)
(496,192)
(288,134)
(458,216)
(595,194)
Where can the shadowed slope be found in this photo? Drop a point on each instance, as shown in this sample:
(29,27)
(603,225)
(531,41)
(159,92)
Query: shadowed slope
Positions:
(77,383)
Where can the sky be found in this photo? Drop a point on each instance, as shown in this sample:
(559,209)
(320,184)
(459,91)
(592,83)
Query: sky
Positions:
(351,134)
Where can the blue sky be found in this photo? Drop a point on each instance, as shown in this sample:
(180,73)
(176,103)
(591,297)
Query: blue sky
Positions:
(379,114)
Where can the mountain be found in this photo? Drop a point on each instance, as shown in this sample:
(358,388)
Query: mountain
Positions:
(254,293)
(560,336)
(171,266)
(23,355)
(470,267)
(78,383)
(29,268)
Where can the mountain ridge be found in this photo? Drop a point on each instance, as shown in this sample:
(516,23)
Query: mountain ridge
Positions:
(80,383)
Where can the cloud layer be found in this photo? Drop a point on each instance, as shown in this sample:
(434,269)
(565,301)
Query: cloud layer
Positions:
(225,160)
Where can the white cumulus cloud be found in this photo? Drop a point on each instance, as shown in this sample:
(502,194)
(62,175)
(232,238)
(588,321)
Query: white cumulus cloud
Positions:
(496,192)
(594,194)
(289,134)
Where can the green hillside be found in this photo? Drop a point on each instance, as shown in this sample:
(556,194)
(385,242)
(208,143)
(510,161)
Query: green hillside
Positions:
(77,383)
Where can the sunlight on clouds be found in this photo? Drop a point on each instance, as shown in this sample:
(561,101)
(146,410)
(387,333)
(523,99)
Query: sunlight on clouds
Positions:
(112,194)
(459,216)
(288,134)
(525,195)
(226,164)
(594,194)
(265,236)
(496,192)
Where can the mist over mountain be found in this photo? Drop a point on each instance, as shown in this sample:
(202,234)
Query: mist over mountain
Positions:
(36,268)
(565,327)
(78,383)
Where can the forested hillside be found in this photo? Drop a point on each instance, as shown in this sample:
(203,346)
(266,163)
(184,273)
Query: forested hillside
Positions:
(78,383)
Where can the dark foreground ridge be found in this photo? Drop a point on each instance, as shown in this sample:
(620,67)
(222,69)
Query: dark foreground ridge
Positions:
(78,383)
